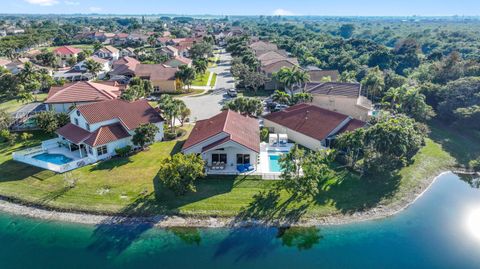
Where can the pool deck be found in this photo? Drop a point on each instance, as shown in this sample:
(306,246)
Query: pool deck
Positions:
(263,167)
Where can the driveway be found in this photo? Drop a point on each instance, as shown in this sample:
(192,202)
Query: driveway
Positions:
(209,104)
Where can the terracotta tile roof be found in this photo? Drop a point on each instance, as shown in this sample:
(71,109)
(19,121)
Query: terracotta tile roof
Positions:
(352,125)
(66,50)
(106,134)
(98,59)
(73,133)
(238,128)
(318,75)
(311,120)
(82,91)
(264,46)
(177,61)
(131,114)
(121,35)
(125,66)
(109,49)
(334,88)
(275,66)
(156,72)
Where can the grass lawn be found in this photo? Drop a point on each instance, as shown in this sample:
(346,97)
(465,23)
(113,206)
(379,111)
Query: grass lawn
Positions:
(80,46)
(201,80)
(259,93)
(214,80)
(129,186)
(13,105)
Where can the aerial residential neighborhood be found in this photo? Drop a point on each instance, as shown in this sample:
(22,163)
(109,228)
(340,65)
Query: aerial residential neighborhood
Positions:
(132,136)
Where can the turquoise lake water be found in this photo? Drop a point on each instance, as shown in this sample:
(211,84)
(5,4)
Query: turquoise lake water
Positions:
(58,159)
(441,230)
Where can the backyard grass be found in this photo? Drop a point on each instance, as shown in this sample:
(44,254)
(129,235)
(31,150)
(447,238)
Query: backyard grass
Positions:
(12,105)
(129,186)
(201,79)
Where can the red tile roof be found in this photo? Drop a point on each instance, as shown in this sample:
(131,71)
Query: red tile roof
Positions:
(334,88)
(131,114)
(73,133)
(156,72)
(107,134)
(352,125)
(66,50)
(125,66)
(240,129)
(82,91)
(312,121)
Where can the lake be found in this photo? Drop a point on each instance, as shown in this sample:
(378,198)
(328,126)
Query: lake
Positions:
(441,230)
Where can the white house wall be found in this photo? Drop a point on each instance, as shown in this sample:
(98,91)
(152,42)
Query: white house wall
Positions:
(198,147)
(231,149)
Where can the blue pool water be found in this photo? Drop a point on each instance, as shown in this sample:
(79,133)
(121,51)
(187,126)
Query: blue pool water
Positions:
(53,158)
(273,163)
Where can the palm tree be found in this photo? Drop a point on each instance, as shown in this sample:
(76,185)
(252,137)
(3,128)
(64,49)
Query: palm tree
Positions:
(281,97)
(186,75)
(291,77)
(93,67)
(200,66)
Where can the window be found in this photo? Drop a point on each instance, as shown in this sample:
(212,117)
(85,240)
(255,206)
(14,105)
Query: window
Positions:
(222,158)
(243,158)
(87,126)
(76,121)
(156,89)
(102,150)
(90,151)
(78,113)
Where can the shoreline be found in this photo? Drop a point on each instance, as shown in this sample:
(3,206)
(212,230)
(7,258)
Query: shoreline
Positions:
(162,221)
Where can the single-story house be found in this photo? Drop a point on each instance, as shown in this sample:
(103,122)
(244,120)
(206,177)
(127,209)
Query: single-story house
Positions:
(130,52)
(228,142)
(81,66)
(341,97)
(162,77)
(170,51)
(179,61)
(108,52)
(66,97)
(97,129)
(310,126)
(320,75)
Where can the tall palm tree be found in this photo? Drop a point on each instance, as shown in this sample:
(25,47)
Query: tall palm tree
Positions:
(200,66)
(93,67)
(291,77)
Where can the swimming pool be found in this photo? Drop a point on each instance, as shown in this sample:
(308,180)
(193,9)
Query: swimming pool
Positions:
(58,159)
(273,164)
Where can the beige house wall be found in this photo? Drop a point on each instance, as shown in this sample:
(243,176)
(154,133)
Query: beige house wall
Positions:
(294,136)
(165,85)
(344,105)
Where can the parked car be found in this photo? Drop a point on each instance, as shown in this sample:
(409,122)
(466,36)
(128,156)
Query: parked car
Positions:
(153,98)
(232,93)
(279,107)
(269,104)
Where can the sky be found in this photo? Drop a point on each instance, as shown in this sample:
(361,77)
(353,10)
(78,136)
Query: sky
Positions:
(248,7)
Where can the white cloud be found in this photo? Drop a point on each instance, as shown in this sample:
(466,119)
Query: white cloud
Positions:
(43,2)
(95,9)
(72,3)
(282,12)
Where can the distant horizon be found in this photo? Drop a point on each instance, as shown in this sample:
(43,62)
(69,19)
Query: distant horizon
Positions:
(311,8)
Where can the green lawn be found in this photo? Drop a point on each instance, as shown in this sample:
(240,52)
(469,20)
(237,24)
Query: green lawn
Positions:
(129,186)
(13,105)
(201,80)
(214,80)
(80,46)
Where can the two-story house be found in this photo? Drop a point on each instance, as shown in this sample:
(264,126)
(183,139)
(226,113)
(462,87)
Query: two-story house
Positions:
(108,52)
(65,53)
(97,129)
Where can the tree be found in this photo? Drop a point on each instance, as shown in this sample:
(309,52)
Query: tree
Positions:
(374,84)
(5,120)
(50,121)
(201,50)
(352,145)
(248,106)
(184,114)
(138,89)
(186,75)
(409,101)
(303,172)
(391,143)
(93,67)
(254,80)
(97,46)
(291,77)
(301,97)
(145,135)
(179,173)
(346,30)
(281,97)
(47,58)
(200,66)
(172,109)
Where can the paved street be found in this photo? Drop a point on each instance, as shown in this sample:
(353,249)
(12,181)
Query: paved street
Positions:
(210,104)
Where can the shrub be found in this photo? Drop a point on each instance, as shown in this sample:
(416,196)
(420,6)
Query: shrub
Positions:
(264,134)
(123,152)
(475,164)
(179,173)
